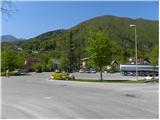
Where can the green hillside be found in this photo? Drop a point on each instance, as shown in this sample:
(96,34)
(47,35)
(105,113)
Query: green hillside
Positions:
(68,46)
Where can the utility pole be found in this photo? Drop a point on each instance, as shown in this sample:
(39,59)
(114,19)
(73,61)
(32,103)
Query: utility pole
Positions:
(135,32)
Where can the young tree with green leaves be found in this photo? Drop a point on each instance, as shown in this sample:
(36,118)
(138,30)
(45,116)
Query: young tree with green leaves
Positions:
(100,50)
(154,55)
(64,62)
(8,60)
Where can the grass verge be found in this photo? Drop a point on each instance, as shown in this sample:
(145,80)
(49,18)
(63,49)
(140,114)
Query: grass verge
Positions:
(109,81)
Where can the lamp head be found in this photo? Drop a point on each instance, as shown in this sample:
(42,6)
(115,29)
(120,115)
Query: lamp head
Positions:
(132,25)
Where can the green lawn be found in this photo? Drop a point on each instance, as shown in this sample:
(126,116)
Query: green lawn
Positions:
(110,81)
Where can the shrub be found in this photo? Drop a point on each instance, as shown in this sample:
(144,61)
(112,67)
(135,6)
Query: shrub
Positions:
(3,73)
(12,73)
(60,76)
(71,77)
(37,67)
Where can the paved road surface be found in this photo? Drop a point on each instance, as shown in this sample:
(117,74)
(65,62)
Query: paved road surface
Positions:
(106,76)
(34,96)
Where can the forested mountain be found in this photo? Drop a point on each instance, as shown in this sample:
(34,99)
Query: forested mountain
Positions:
(70,44)
(117,28)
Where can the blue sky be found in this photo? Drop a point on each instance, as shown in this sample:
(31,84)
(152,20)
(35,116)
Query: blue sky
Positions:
(34,18)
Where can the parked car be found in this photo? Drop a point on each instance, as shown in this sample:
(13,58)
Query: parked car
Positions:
(57,71)
(87,71)
(81,71)
(157,77)
(93,71)
(21,71)
(148,78)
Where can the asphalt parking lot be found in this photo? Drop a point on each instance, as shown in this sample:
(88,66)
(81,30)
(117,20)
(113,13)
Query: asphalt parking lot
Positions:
(106,76)
(35,96)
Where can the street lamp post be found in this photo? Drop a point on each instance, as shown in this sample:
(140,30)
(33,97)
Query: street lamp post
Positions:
(132,25)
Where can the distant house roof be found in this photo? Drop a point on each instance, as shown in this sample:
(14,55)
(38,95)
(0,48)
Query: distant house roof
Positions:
(139,60)
(114,62)
(146,61)
(84,59)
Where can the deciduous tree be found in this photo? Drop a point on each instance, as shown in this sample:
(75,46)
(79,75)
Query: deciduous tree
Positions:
(100,50)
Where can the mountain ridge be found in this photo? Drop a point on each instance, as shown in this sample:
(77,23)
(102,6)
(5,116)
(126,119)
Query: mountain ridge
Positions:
(8,38)
(117,28)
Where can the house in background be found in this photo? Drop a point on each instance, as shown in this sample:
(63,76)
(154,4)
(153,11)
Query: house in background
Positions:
(83,62)
(56,64)
(140,60)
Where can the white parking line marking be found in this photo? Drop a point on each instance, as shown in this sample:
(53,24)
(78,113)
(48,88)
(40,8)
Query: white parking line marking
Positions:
(27,110)
(47,98)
